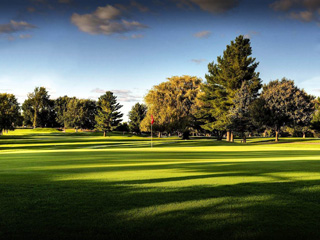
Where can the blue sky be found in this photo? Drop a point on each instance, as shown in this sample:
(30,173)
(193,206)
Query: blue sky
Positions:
(83,48)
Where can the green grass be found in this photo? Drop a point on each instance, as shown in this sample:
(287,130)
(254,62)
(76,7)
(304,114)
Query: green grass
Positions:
(57,185)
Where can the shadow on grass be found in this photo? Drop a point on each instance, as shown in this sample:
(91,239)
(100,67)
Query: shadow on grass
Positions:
(35,205)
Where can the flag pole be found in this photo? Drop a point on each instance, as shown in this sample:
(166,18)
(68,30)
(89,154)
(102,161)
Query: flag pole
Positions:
(152,121)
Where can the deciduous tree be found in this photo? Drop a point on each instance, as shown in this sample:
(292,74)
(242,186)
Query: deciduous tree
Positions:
(9,111)
(37,104)
(173,105)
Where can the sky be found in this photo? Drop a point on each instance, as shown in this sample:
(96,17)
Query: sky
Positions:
(84,48)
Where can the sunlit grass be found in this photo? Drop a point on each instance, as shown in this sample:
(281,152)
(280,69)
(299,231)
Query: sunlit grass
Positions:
(58,185)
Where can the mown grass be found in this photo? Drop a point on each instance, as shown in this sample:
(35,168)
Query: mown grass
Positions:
(57,185)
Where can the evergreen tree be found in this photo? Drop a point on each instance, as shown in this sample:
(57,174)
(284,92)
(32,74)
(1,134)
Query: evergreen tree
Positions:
(136,115)
(223,81)
(108,115)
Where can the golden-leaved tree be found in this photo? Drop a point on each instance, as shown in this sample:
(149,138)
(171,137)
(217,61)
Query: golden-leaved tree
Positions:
(173,104)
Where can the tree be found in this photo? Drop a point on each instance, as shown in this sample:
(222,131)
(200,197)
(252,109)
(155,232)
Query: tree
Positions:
(79,113)
(259,114)
(173,105)
(287,105)
(37,104)
(303,110)
(315,122)
(108,115)
(136,115)
(9,111)
(224,80)
(240,112)
(73,114)
(89,111)
(61,109)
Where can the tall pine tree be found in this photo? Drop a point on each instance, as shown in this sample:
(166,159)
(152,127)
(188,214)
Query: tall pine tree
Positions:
(108,116)
(224,80)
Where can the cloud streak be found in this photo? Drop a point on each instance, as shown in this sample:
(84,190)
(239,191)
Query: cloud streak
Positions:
(302,10)
(212,6)
(123,95)
(14,26)
(202,34)
(198,61)
(106,20)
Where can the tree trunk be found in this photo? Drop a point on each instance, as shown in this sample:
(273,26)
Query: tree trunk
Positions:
(186,135)
(228,136)
(35,119)
(231,137)
(265,133)
(220,135)
(277,136)
(244,138)
(304,134)
(159,135)
(104,133)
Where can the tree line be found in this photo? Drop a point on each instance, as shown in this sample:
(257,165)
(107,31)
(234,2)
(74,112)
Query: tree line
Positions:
(230,102)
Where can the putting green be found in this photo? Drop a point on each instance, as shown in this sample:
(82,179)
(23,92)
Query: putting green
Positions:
(57,185)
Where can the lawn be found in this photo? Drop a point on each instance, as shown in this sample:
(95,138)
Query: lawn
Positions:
(57,185)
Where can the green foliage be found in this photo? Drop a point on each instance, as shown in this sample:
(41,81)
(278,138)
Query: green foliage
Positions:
(123,127)
(287,105)
(80,113)
(224,80)
(239,113)
(37,108)
(108,115)
(173,104)
(315,122)
(9,111)
(61,109)
(136,115)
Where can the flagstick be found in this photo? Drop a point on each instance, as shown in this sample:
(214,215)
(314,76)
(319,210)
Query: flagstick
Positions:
(151,135)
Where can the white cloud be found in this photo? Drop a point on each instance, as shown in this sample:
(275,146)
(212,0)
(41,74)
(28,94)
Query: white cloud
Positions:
(282,5)
(212,6)
(302,10)
(250,34)
(13,27)
(98,90)
(304,16)
(202,34)
(135,36)
(139,6)
(105,20)
(24,36)
(123,95)
(198,61)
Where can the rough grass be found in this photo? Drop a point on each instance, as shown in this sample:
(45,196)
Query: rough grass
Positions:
(82,186)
